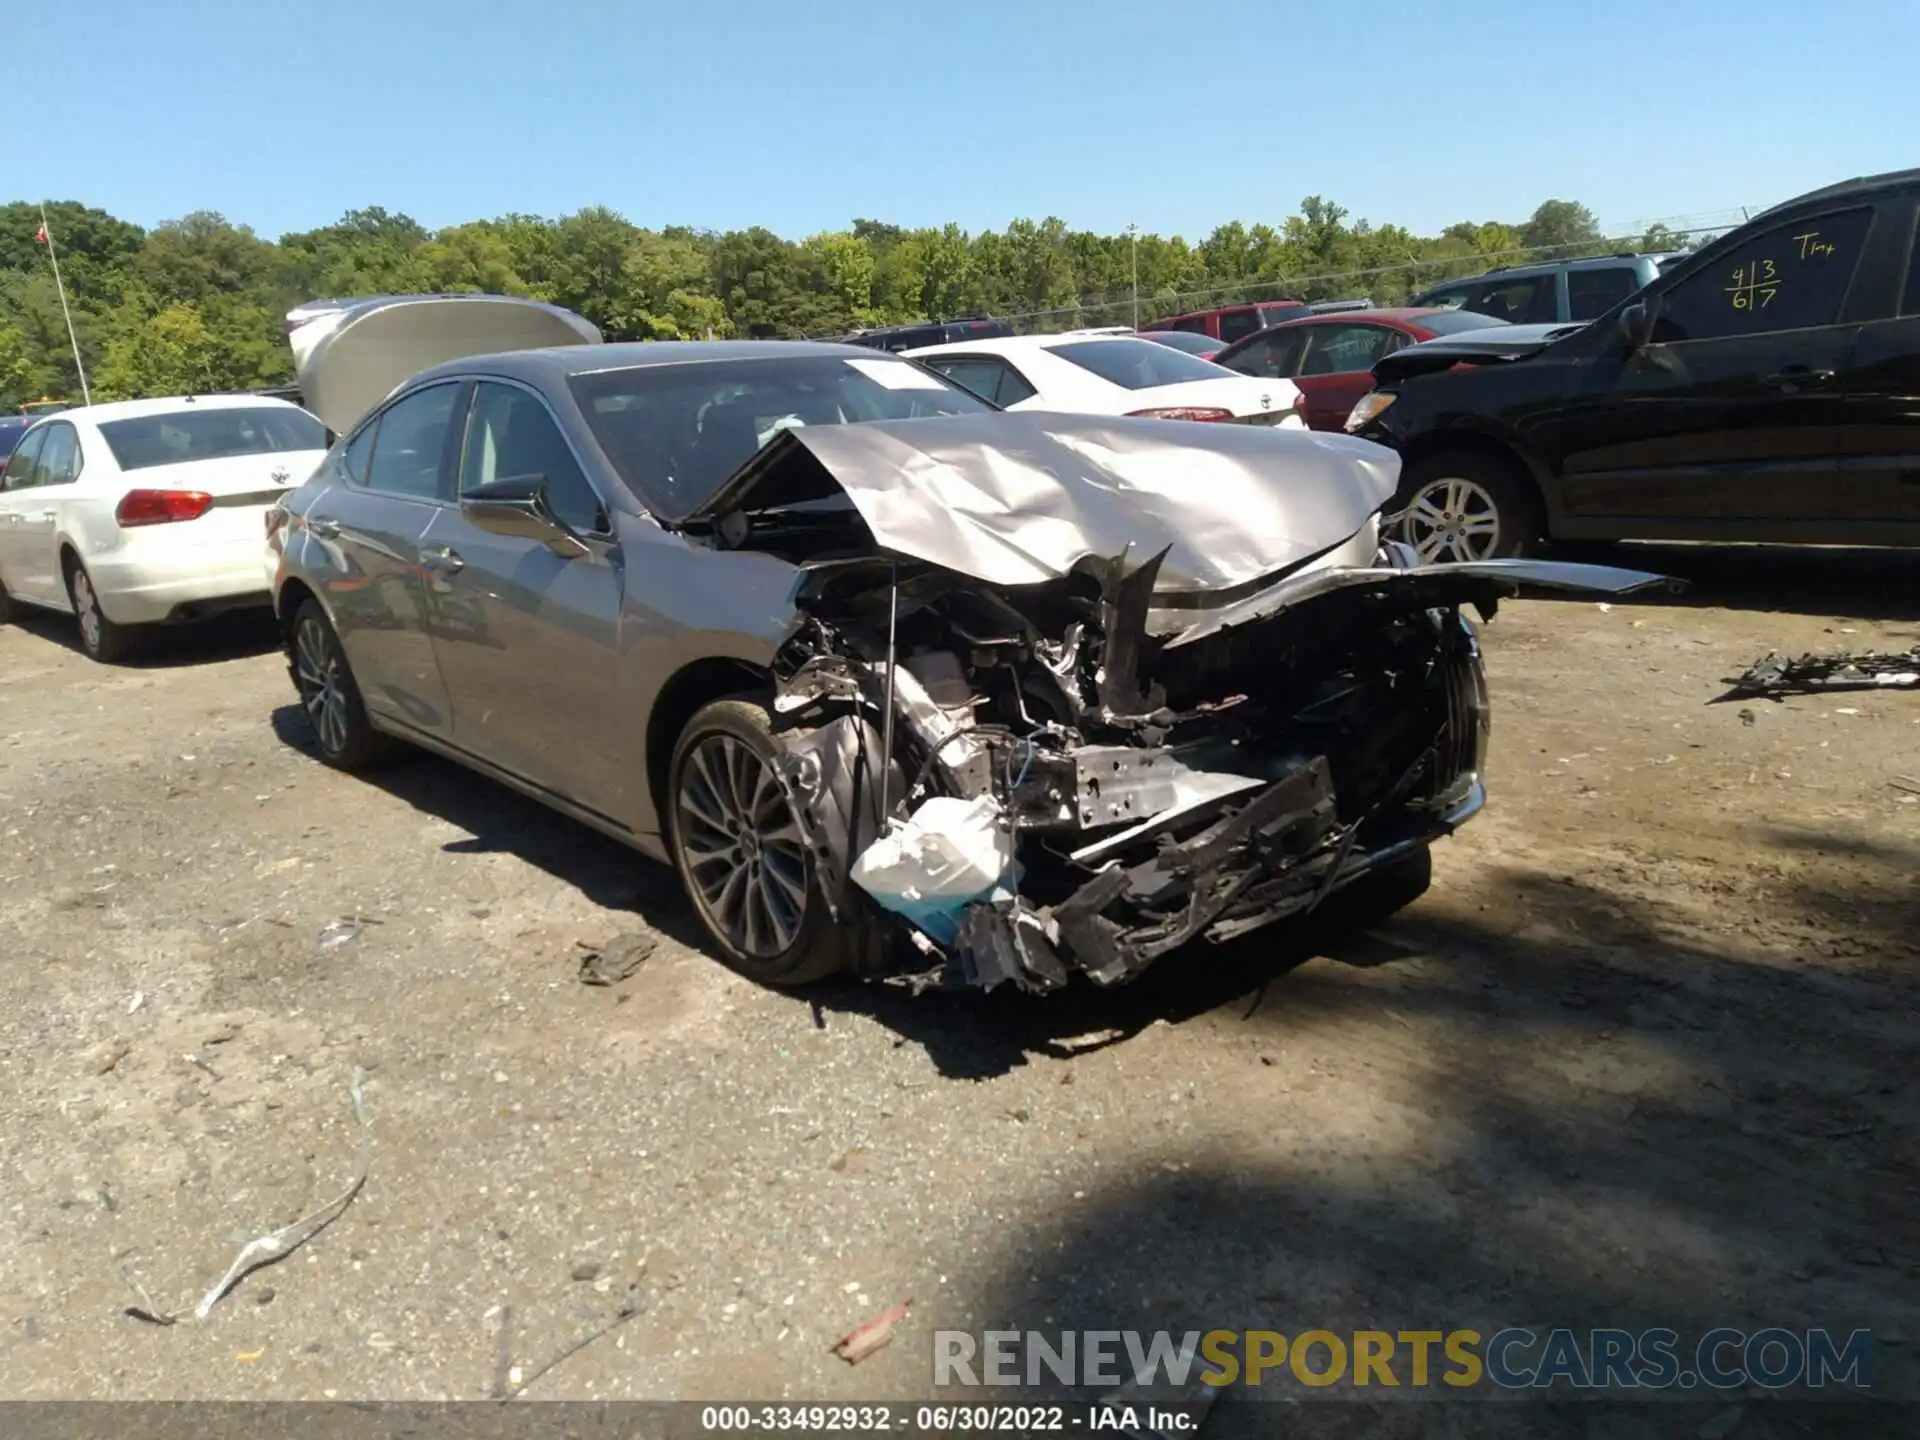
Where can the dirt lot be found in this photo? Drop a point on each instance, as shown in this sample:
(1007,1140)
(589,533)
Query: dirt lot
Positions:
(1643,1055)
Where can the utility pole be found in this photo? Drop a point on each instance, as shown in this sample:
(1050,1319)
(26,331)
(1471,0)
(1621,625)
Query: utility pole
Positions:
(1133,237)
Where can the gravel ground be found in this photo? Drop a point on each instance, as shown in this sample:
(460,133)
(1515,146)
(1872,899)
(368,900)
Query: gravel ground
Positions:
(1643,1054)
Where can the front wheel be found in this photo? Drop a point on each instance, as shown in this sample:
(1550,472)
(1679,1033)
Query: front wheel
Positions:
(1459,506)
(741,854)
(99,637)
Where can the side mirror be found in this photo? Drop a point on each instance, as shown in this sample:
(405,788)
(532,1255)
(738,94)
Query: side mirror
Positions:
(1636,325)
(516,506)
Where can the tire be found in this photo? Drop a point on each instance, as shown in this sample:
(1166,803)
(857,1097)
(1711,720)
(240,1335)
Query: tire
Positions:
(752,880)
(1447,498)
(329,696)
(100,638)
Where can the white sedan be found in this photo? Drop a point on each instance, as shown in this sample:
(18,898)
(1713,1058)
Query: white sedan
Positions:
(148,511)
(1111,375)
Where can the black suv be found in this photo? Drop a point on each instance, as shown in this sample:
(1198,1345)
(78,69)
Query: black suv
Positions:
(940,332)
(1762,389)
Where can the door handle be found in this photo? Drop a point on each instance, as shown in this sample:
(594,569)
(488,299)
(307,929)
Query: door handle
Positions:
(445,559)
(52,517)
(325,529)
(1798,377)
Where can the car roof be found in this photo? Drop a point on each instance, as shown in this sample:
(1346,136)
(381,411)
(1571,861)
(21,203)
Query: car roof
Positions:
(1393,314)
(1020,344)
(162,405)
(558,362)
(1860,185)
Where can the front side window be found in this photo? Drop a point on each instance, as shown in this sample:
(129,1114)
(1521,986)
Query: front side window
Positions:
(20,464)
(1591,293)
(510,434)
(1794,277)
(1136,364)
(674,432)
(59,457)
(1344,349)
(409,442)
(217,432)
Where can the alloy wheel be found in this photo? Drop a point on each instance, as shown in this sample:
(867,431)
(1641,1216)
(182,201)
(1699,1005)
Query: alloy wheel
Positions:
(86,609)
(742,847)
(1452,519)
(323,692)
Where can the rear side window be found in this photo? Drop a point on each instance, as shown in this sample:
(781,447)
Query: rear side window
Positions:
(1530,301)
(59,457)
(1136,364)
(1344,349)
(1793,277)
(1273,356)
(409,443)
(1591,293)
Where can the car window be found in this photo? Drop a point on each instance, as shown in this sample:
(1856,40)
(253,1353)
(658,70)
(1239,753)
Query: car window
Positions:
(1274,356)
(410,441)
(1135,364)
(1343,349)
(59,462)
(1274,314)
(510,433)
(1014,387)
(1591,293)
(1793,277)
(1529,301)
(20,464)
(979,373)
(673,432)
(1196,324)
(1238,324)
(215,433)
(354,458)
(1454,297)
(1911,305)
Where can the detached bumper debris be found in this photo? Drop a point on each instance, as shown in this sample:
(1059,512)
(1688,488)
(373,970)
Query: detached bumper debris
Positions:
(871,1335)
(616,960)
(1774,676)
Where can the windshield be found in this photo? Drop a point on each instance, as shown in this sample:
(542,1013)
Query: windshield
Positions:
(1183,340)
(216,433)
(1452,322)
(675,432)
(1136,364)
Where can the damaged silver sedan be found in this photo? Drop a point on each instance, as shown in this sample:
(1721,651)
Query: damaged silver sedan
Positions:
(895,680)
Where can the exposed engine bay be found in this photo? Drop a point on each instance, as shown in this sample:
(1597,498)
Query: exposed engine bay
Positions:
(1146,793)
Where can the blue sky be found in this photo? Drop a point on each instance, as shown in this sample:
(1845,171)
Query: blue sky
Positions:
(802,114)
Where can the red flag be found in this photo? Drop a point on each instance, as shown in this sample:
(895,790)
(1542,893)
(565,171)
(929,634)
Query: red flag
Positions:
(40,235)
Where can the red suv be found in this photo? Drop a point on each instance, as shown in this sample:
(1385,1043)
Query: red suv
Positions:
(1229,323)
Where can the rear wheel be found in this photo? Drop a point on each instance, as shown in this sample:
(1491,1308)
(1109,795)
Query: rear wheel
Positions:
(99,637)
(1464,505)
(329,696)
(740,852)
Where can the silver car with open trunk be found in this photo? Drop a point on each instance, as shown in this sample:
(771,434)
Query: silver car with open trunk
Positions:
(894,679)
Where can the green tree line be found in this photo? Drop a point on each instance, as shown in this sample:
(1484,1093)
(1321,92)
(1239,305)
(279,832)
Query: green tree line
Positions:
(197,304)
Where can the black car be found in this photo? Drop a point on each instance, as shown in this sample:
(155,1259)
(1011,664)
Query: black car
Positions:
(940,332)
(12,427)
(1762,389)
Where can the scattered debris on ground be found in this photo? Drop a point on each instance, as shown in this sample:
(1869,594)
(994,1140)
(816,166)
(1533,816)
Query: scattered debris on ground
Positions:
(871,1335)
(1773,676)
(276,1246)
(616,960)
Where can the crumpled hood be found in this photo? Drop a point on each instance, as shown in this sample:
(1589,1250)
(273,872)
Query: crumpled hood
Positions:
(1016,499)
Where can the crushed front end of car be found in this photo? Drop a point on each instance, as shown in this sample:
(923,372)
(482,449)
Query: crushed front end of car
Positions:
(1068,693)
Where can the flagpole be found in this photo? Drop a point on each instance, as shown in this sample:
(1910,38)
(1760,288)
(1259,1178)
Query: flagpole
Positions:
(85,394)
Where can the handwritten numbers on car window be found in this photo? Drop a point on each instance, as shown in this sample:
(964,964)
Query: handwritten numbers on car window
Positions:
(1754,285)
